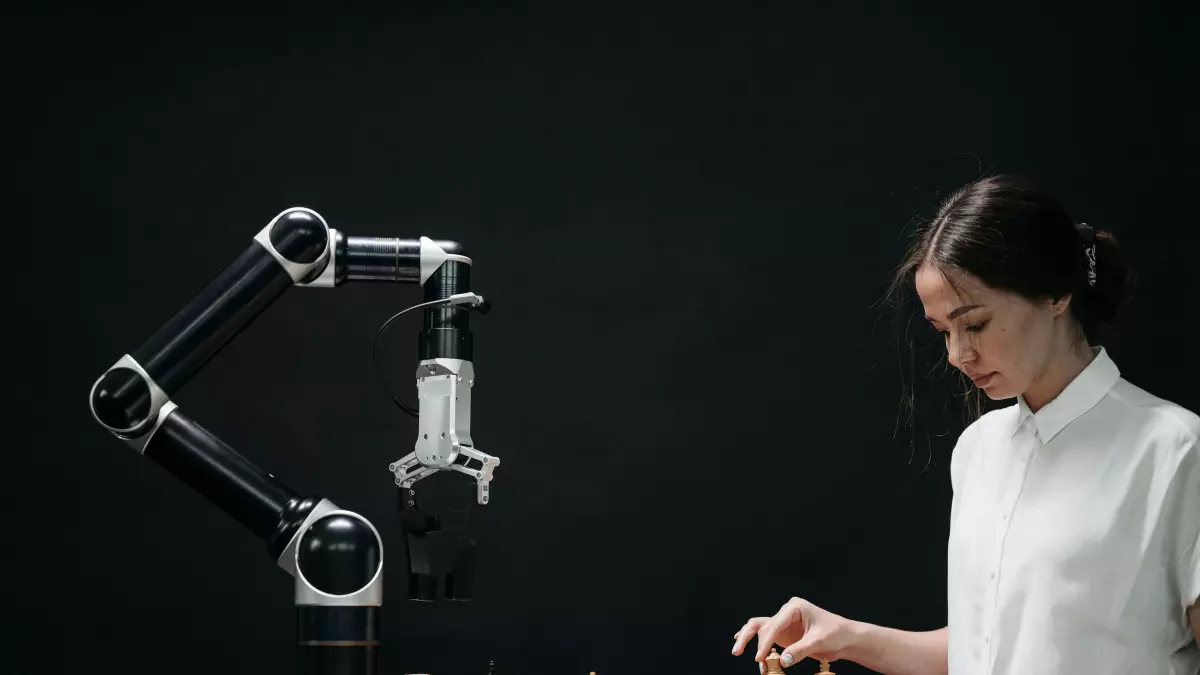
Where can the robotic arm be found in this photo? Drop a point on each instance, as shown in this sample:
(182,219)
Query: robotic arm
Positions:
(334,555)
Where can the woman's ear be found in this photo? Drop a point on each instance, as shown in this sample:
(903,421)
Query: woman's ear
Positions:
(1059,306)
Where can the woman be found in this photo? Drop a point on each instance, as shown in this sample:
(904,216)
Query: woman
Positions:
(1075,525)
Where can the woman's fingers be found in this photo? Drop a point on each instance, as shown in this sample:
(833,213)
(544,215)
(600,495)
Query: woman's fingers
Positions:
(766,636)
(798,651)
(743,636)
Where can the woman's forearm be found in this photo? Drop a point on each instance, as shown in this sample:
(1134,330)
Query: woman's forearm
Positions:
(896,652)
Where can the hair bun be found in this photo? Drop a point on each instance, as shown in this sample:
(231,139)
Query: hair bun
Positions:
(1102,300)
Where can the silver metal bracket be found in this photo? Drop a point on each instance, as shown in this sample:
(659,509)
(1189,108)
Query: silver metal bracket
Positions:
(327,277)
(304,592)
(297,271)
(161,406)
(409,470)
(444,428)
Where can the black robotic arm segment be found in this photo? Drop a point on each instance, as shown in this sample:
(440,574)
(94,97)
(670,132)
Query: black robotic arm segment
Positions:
(335,556)
(339,567)
(251,496)
(386,259)
(292,248)
(392,259)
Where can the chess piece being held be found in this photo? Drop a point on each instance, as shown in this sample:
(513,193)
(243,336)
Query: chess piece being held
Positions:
(772,661)
(773,665)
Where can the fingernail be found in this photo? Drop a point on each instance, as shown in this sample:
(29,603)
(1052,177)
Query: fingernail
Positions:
(786,659)
(760,667)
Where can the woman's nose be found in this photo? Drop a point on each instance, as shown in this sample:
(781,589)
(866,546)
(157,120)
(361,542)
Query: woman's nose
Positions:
(959,351)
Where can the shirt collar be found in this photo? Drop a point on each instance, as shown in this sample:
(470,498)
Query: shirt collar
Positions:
(1080,395)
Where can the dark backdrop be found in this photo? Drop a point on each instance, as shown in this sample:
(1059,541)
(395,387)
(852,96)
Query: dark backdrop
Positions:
(684,219)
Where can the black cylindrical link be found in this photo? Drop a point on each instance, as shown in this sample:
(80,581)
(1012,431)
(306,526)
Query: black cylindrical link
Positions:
(383,259)
(211,319)
(250,495)
(337,640)
(447,330)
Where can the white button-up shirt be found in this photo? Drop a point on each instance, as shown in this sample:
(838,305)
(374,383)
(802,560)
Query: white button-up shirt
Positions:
(1075,535)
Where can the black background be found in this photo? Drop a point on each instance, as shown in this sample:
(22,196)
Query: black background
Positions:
(685,220)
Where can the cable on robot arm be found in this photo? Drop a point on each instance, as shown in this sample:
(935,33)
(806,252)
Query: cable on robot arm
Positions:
(132,399)
(335,556)
(471,300)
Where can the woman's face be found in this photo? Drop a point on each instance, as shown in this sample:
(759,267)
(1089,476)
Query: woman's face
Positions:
(1000,340)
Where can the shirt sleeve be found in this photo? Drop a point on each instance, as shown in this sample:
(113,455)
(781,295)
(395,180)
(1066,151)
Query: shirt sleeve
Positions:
(1187,545)
(960,457)
(1182,511)
(960,460)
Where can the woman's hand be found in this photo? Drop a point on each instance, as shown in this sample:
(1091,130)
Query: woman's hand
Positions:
(802,629)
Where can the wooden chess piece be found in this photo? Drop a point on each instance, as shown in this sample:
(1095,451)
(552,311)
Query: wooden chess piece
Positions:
(825,668)
(773,665)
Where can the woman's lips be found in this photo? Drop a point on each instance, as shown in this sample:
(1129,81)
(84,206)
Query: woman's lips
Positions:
(982,381)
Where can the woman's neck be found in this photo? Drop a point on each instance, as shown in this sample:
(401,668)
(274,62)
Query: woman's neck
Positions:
(1060,371)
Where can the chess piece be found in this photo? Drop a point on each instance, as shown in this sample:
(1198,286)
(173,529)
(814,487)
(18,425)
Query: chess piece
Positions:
(773,665)
(825,668)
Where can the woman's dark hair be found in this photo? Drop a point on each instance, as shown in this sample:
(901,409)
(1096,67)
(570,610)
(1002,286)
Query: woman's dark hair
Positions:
(1013,237)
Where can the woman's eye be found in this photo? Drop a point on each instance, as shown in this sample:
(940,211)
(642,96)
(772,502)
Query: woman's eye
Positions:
(976,328)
